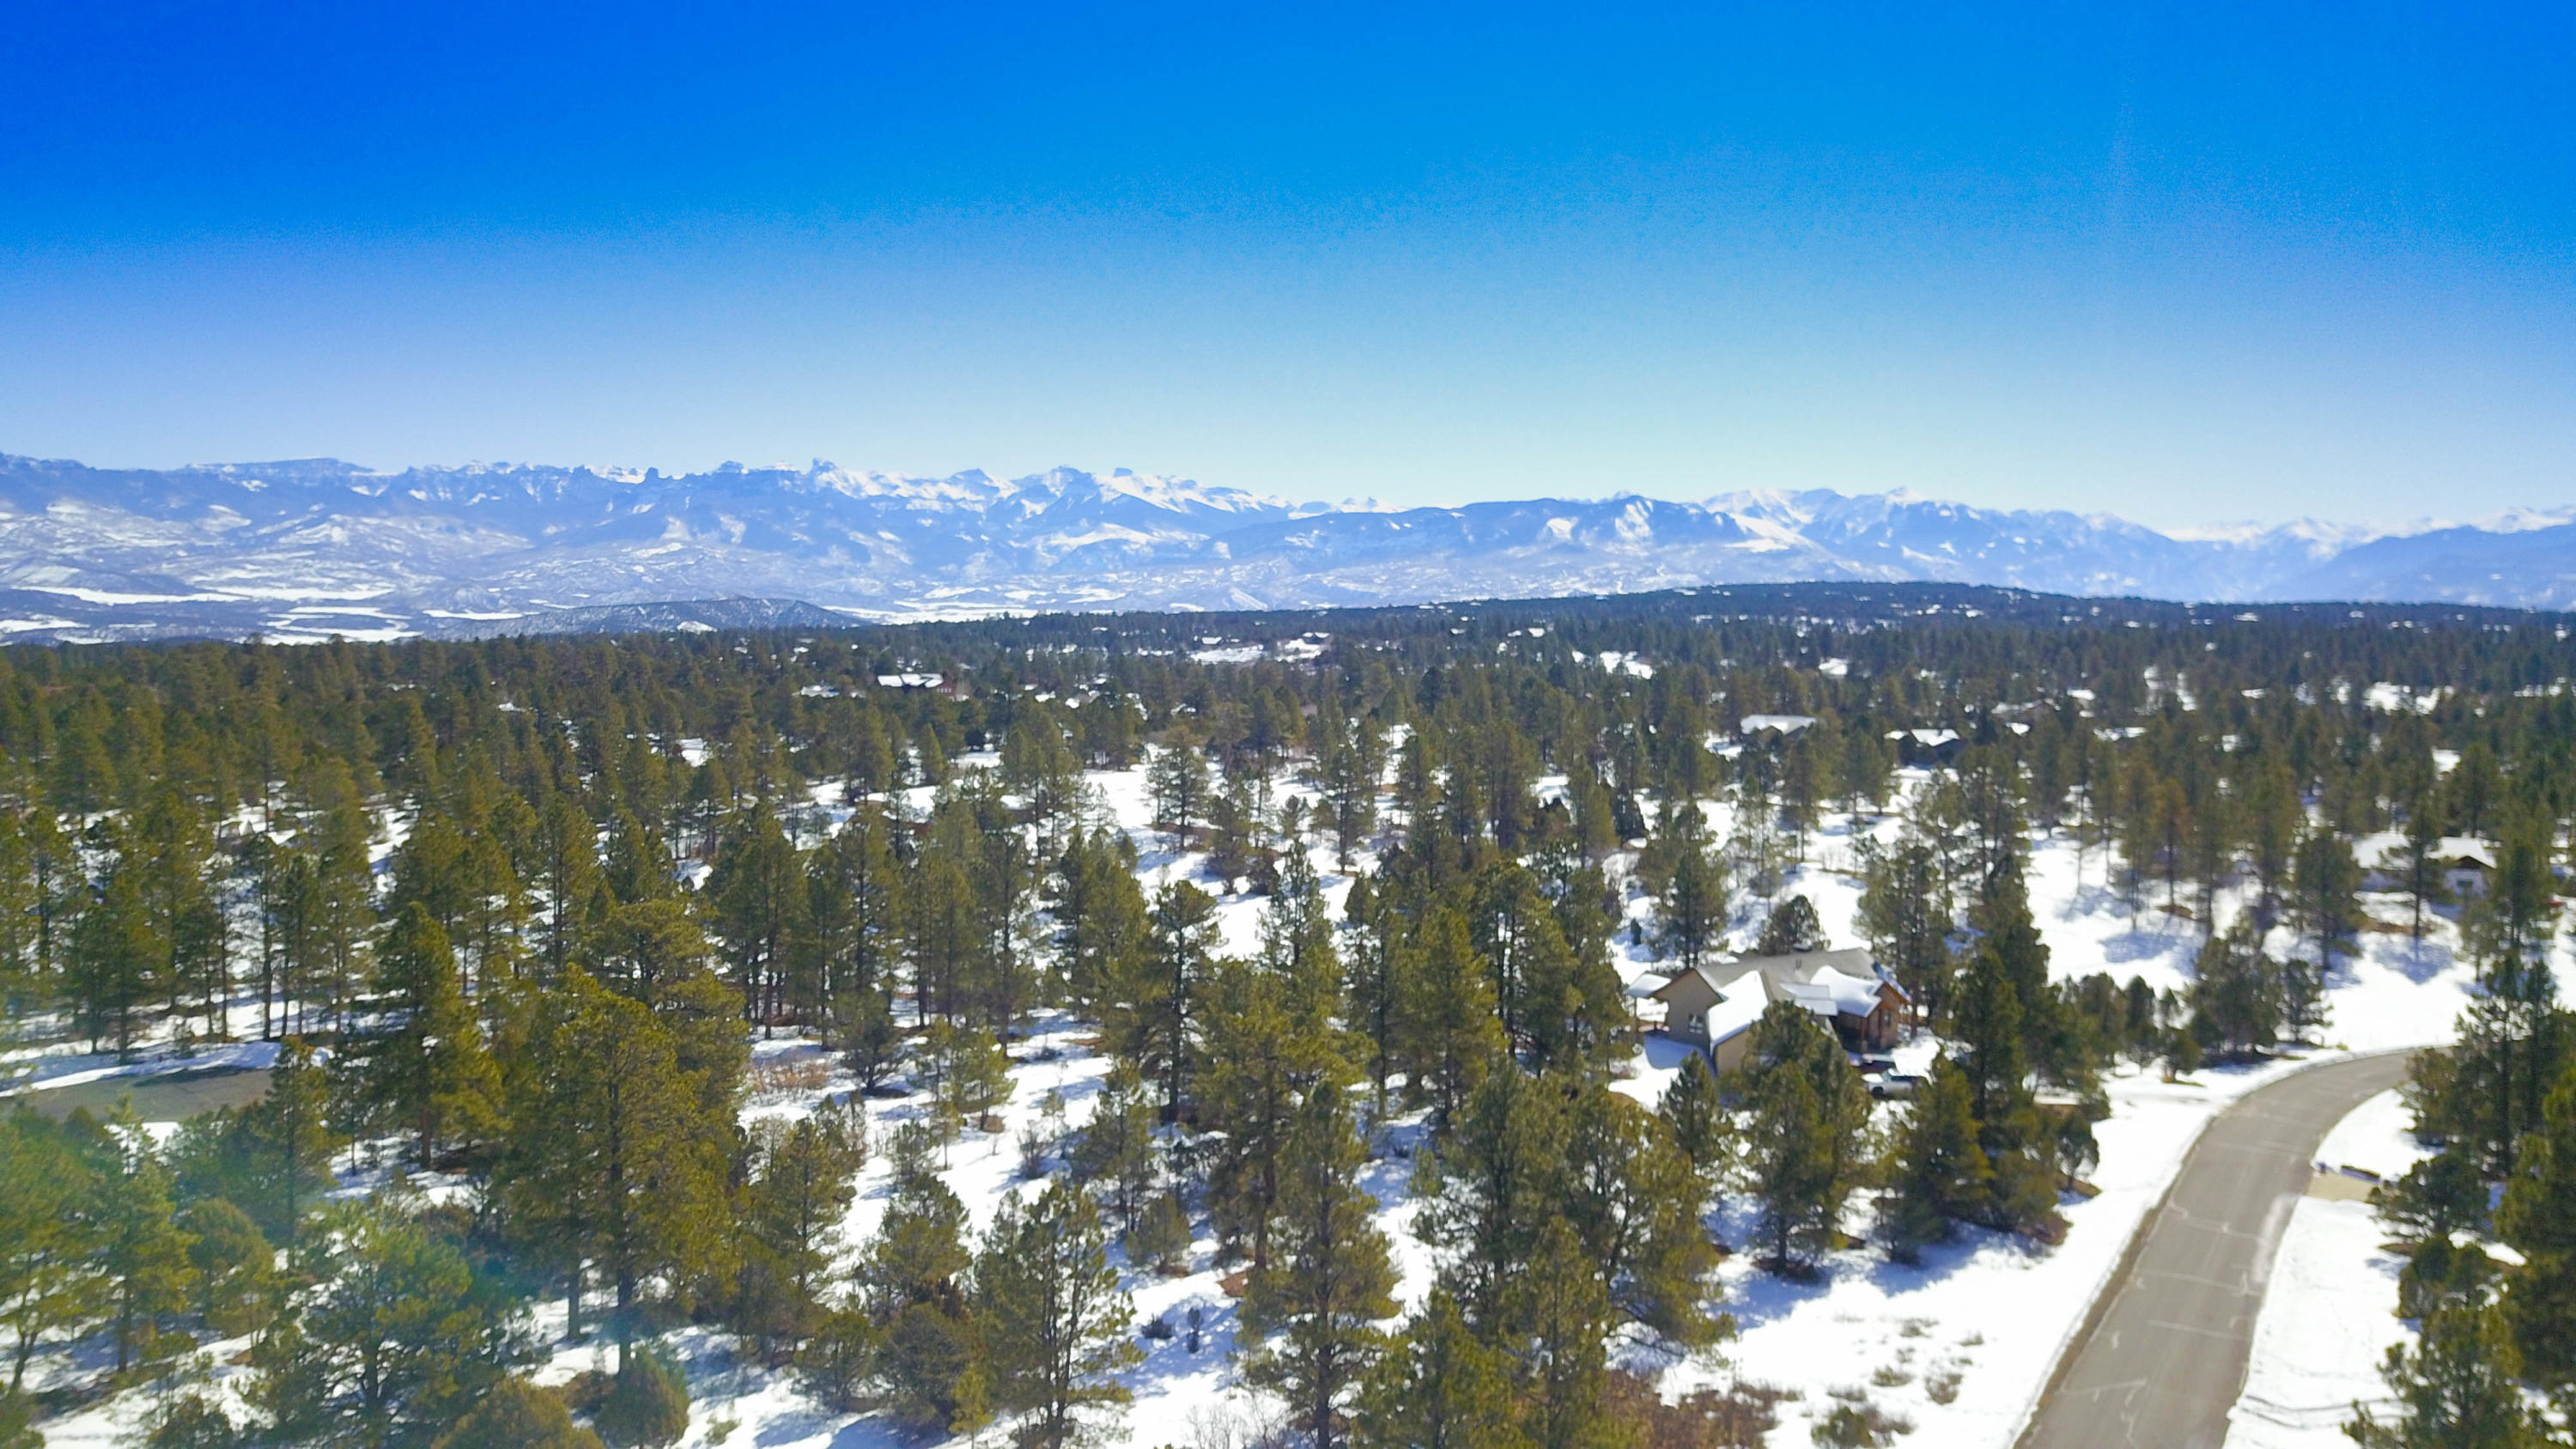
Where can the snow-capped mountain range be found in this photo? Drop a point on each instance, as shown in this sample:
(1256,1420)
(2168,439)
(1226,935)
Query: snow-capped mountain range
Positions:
(305,548)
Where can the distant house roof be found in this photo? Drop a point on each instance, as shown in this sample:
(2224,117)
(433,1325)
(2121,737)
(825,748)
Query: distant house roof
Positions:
(1787,724)
(1828,983)
(2462,851)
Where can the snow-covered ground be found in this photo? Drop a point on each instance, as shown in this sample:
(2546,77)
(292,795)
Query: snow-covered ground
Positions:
(1959,1345)
(2330,1312)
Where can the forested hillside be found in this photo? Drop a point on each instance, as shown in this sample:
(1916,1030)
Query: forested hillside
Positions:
(660,1000)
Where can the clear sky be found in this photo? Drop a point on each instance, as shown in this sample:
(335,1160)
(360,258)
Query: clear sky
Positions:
(2182,262)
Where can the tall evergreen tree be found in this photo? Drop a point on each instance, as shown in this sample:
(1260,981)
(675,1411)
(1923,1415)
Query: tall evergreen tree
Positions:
(1806,1110)
(2326,876)
(140,1254)
(431,1073)
(1561,1326)
(48,1286)
(1451,1034)
(758,890)
(116,962)
(1698,1123)
(1491,1184)
(611,1159)
(1633,1200)
(1439,1387)
(2538,1219)
(1160,1009)
(1055,1320)
(800,1188)
(1330,1279)
(2454,1389)
(1941,1172)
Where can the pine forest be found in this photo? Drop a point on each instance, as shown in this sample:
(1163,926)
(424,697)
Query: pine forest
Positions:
(1243,1029)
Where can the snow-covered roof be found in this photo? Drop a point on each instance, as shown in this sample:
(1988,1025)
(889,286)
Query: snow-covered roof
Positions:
(1735,1012)
(1787,724)
(1830,993)
(1826,982)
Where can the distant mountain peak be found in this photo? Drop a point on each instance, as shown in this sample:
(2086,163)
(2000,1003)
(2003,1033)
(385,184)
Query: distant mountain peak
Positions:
(232,547)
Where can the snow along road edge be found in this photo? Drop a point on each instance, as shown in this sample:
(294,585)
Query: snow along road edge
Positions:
(2105,1290)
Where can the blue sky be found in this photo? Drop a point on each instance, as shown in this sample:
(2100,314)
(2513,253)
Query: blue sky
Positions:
(2186,263)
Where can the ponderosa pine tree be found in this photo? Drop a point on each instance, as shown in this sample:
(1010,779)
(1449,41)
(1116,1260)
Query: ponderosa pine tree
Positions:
(2441,1197)
(1117,1146)
(799,1189)
(1690,908)
(611,1158)
(1806,1110)
(1633,1200)
(1264,1058)
(1438,1387)
(2050,1044)
(400,1340)
(2236,996)
(1698,1123)
(1157,1016)
(758,890)
(913,1281)
(1451,1035)
(1491,1184)
(47,1284)
(1054,1319)
(1512,929)
(1330,1279)
(2538,1219)
(1177,784)
(2454,1388)
(1373,985)
(1791,927)
(139,1253)
(1099,915)
(272,1159)
(515,1414)
(647,1406)
(178,891)
(1559,1322)
(114,966)
(1986,1022)
(430,1073)
(1905,911)
(565,855)
(2513,1037)
(1941,1173)
(2419,860)
(2323,882)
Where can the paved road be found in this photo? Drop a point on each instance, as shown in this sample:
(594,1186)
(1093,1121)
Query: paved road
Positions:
(170,1097)
(2163,1358)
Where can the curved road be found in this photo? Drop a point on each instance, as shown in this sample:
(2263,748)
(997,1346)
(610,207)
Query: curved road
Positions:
(2162,1357)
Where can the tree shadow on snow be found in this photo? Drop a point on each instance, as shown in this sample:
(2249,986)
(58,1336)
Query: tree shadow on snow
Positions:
(1765,1296)
(2419,961)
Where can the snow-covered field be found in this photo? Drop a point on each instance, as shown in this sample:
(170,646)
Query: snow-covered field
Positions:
(1959,1345)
